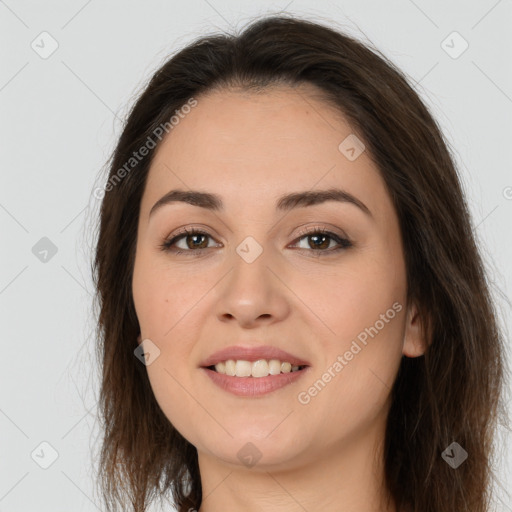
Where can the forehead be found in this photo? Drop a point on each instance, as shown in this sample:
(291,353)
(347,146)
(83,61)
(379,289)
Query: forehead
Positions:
(260,145)
(234,123)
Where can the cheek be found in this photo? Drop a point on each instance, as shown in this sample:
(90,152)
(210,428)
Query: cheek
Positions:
(372,324)
(363,307)
(170,391)
(166,308)
(352,297)
(352,389)
(163,296)
(166,304)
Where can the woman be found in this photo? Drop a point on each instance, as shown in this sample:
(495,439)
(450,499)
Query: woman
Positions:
(293,311)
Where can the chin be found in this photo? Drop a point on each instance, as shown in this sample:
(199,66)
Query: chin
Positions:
(255,449)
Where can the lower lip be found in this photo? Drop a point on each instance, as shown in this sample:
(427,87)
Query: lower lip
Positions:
(254,386)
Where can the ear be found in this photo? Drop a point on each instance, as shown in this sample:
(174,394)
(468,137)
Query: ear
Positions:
(414,344)
(139,339)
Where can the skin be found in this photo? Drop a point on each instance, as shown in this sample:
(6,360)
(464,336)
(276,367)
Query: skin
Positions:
(251,149)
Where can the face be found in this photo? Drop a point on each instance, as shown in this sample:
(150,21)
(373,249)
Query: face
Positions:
(322,280)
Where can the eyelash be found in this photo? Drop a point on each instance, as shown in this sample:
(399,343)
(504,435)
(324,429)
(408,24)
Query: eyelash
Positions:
(344,243)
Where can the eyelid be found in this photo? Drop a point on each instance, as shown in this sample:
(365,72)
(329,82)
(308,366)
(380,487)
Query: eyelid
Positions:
(320,229)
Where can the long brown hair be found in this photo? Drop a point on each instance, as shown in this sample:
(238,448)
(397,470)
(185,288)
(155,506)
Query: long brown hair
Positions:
(451,394)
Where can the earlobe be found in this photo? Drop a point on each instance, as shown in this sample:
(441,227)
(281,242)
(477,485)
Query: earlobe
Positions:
(414,344)
(139,339)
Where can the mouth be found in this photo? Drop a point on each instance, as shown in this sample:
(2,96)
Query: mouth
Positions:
(254,369)
(248,358)
(252,386)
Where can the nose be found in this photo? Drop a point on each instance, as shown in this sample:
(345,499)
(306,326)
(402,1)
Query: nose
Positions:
(252,294)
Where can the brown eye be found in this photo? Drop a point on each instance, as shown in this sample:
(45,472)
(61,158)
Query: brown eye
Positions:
(193,240)
(319,241)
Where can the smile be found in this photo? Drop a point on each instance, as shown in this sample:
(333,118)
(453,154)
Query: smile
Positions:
(251,386)
(260,368)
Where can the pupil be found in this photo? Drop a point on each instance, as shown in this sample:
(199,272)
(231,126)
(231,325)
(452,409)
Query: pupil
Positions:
(195,237)
(316,237)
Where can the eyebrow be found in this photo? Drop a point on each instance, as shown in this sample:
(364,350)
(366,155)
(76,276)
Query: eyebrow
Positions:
(285,203)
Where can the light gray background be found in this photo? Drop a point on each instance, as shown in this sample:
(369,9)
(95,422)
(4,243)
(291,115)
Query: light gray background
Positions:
(60,118)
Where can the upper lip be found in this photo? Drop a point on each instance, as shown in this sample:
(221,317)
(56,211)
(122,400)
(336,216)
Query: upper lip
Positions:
(240,352)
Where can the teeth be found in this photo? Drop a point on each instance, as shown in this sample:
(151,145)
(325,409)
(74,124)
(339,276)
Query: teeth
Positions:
(243,368)
(274,367)
(259,368)
(229,368)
